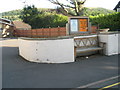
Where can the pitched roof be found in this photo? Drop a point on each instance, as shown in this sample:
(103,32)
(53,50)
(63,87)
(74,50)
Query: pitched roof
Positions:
(21,25)
(117,6)
(6,21)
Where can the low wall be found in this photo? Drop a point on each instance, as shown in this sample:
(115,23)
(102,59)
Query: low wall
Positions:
(118,43)
(112,43)
(61,49)
(47,50)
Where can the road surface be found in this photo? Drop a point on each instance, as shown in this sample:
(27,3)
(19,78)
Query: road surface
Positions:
(19,73)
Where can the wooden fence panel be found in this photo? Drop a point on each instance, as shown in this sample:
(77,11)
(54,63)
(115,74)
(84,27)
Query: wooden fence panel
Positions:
(41,33)
(94,29)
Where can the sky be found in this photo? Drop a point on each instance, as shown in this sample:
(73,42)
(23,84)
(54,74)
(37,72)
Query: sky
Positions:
(8,5)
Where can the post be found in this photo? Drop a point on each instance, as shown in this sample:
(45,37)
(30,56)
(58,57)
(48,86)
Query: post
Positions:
(42,33)
(49,32)
(67,29)
(36,33)
(97,31)
(58,31)
(23,33)
(89,28)
(31,33)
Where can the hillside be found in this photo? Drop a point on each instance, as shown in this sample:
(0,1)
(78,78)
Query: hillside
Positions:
(97,11)
(14,14)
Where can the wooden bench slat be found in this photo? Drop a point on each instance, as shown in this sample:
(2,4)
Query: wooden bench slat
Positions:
(80,50)
(86,44)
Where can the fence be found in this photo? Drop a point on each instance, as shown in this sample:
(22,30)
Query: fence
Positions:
(46,32)
(94,29)
(41,33)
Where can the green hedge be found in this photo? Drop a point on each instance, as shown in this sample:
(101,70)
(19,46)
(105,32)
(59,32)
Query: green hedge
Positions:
(48,20)
(111,21)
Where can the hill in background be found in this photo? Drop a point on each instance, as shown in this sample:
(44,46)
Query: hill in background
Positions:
(14,14)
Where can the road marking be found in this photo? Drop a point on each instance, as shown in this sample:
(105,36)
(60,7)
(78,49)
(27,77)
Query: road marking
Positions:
(109,86)
(94,83)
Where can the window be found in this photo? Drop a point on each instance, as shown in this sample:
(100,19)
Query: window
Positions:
(118,9)
(74,25)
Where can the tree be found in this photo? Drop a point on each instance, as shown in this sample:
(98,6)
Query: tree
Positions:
(28,13)
(76,5)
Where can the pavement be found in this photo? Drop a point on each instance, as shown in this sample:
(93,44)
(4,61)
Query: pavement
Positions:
(19,73)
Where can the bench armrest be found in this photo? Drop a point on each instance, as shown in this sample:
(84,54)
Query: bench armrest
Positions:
(102,44)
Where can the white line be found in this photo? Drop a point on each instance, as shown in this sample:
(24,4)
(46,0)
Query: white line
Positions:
(94,83)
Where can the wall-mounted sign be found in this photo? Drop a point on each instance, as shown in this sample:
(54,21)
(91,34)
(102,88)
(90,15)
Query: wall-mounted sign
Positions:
(83,25)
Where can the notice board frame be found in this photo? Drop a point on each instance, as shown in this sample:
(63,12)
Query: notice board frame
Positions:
(77,18)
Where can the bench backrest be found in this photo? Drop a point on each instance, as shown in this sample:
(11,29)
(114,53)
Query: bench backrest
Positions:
(86,42)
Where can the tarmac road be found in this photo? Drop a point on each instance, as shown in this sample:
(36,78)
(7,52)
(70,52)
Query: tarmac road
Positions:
(19,73)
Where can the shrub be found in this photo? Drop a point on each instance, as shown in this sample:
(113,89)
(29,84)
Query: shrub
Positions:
(111,21)
(48,20)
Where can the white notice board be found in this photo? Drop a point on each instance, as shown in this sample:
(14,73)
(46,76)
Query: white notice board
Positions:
(73,25)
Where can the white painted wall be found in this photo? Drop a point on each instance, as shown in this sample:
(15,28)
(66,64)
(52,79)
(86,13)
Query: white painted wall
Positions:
(119,43)
(47,51)
(111,41)
(85,36)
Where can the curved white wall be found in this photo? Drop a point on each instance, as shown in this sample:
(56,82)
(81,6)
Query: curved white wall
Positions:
(118,43)
(47,51)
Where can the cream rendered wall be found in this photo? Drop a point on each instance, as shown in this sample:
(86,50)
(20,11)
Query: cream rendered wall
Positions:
(113,44)
(85,36)
(111,41)
(119,43)
(27,49)
(47,51)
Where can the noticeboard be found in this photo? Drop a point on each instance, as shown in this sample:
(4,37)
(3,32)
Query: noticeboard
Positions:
(78,25)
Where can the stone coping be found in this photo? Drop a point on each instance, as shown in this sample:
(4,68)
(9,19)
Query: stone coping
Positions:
(56,38)
(53,38)
(68,37)
(108,33)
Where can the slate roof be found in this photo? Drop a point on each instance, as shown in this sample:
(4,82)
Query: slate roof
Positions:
(117,6)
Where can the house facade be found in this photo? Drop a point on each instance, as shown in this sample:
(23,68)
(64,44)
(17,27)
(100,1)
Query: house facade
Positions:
(6,27)
(117,7)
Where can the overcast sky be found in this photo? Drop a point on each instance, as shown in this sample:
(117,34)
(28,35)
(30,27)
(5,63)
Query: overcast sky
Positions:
(8,5)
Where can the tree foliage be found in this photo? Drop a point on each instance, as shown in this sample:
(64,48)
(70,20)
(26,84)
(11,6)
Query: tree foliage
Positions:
(111,21)
(40,19)
(49,20)
(28,13)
